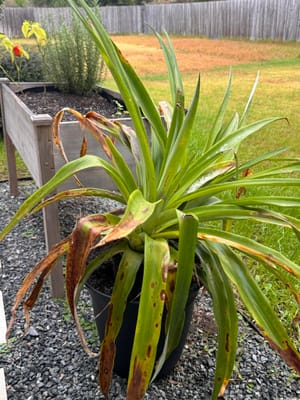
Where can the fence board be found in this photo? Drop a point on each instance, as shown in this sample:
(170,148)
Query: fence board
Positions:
(253,19)
(123,19)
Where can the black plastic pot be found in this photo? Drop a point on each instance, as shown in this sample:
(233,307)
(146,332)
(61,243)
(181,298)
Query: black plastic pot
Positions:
(125,338)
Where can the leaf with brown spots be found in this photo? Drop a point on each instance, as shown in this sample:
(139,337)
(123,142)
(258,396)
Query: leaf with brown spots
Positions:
(250,247)
(56,131)
(149,320)
(258,305)
(99,126)
(288,353)
(137,212)
(136,386)
(188,227)
(220,289)
(241,190)
(41,270)
(82,241)
(84,146)
(79,192)
(64,173)
(90,121)
(125,279)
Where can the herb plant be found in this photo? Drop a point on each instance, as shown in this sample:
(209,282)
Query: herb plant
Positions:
(72,60)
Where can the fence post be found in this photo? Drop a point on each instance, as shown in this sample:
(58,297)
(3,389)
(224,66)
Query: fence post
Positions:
(143,12)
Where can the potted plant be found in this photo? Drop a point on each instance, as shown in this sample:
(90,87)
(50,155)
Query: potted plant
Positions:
(167,230)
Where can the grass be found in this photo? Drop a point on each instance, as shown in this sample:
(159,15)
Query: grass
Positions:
(21,167)
(276,95)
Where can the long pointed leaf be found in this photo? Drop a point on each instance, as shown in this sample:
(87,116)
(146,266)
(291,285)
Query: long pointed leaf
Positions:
(234,211)
(115,61)
(222,147)
(214,189)
(251,248)
(175,160)
(144,100)
(213,135)
(149,317)
(175,80)
(81,192)
(188,227)
(41,270)
(65,172)
(231,142)
(280,201)
(225,314)
(249,102)
(255,161)
(232,126)
(82,241)
(258,306)
(122,166)
(124,281)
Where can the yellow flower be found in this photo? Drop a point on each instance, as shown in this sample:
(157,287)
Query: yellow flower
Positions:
(34,29)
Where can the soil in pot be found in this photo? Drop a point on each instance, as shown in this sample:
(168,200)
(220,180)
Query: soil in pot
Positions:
(99,286)
(49,101)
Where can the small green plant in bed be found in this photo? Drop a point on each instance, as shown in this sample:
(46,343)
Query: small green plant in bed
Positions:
(174,226)
(71,60)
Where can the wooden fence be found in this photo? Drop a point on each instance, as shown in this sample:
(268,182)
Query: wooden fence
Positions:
(252,19)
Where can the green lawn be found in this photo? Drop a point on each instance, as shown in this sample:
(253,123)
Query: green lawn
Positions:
(21,167)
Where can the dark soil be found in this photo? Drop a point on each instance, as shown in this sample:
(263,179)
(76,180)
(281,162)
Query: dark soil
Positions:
(103,278)
(51,101)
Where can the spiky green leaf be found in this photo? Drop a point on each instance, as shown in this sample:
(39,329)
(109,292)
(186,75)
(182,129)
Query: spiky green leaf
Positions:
(149,317)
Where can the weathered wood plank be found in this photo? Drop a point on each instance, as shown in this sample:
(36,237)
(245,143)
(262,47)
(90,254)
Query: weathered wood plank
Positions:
(3,395)
(2,321)
(22,133)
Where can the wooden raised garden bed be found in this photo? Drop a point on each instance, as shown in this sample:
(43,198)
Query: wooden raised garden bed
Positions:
(31,135)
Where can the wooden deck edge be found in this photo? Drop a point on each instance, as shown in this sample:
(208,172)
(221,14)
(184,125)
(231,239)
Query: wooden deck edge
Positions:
(3,395)
(2,321)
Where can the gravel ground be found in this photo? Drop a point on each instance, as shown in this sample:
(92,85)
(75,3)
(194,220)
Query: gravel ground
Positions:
(49,363)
